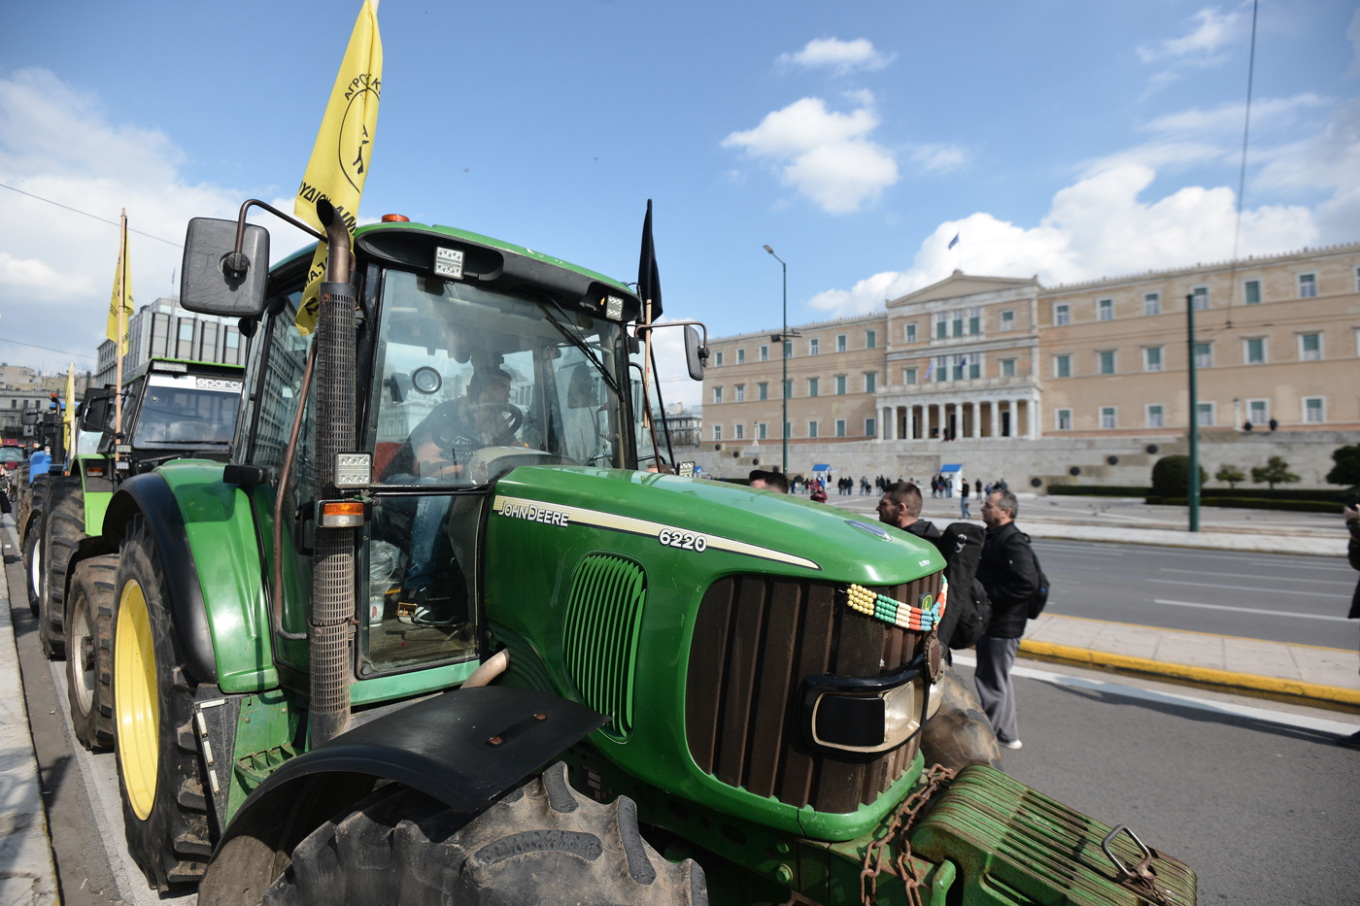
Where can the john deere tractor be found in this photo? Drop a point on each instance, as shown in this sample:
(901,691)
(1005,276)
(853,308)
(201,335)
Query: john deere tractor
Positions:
(438,561)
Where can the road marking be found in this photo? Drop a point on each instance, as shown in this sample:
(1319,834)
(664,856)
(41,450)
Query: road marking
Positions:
(1272,591)
(1268,613)
(1283,718)
(1200,572)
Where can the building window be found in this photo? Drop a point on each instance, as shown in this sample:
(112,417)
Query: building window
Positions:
(1204,416)
(870,427)
(1107,416)
(1152,358)
(1008,320)
(1156,416)
(763,390)
(911,333)
(840,427)
(908,375)
(1105,310)
(1062,366)
(812,429)
(1254,350)
(788,389)
(840,385)
(1061,315)
(1204,355)
(741,393)
(740,432)
(1307,286)
(1312,410)
(764,353)
(958,317)
(717,394)
(1200,295)
(974,321)
(761,430)
(741,356)
(1258,411)
(717,432)
(814,346)
(1152,303)
(941,325)
(788,349)
(1357,279)
(1064,419)
(840,342)
(871,382)
(870,339)
(1106,361)
(941,367)
(718,359)
(1252,290)
(1310,347)
(1008,367)
(812,386)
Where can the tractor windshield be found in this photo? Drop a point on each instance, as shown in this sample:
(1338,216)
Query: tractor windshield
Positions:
(473,383)
(193,410)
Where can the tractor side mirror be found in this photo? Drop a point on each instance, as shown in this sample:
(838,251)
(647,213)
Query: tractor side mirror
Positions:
(29,417)
(696,354)
(218,281)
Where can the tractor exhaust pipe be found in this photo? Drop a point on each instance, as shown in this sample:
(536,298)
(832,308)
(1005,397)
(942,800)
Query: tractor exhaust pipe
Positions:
(330,628)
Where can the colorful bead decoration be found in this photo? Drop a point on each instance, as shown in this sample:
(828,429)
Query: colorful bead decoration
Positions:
(898,613)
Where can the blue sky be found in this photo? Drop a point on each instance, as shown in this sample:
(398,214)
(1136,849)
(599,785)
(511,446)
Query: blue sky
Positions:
(1072,140)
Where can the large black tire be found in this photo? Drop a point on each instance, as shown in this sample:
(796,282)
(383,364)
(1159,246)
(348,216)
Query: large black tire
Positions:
(959,733)
(541,843)
(160,776)
(63,527)
(31,574)
(89,650)
(31,531)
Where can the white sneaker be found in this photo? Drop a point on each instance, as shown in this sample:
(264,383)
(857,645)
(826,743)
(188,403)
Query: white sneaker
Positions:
(1011,744)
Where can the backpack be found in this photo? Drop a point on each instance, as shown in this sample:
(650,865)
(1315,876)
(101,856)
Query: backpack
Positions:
(1039,599)
(968,610)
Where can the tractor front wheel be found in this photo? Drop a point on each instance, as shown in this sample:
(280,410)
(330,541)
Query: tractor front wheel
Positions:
(89,650)
(63,527)
(541,843)
(165,811)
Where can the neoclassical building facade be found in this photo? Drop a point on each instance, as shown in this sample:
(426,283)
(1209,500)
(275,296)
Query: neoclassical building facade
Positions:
(1276,347)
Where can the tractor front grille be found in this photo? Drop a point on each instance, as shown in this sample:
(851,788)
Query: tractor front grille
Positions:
(604,613)
(755,639)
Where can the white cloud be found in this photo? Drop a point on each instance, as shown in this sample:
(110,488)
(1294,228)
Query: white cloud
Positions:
(1230,117)
(825,155)
(1098,227)
(1211,30)
(839,56)
(938,158)
(58,144)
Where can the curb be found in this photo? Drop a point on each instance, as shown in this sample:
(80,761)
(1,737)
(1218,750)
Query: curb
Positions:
(1295,691)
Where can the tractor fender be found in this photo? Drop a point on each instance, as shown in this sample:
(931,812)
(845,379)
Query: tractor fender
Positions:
(150,496)
(465,748)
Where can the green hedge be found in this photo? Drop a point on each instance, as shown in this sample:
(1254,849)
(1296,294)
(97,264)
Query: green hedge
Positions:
(1261,495)
(1109,490)
(1251,503)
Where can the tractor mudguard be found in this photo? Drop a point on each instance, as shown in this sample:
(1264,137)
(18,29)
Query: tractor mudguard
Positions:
(150,495)
(464,748)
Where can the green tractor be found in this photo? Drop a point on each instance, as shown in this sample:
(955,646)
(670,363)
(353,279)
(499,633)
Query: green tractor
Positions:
(171,409)
(438,561)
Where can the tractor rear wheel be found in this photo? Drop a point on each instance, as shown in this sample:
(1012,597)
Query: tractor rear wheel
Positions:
(541,843)
(89,650)
(63,527)
(165,811)
(32,566)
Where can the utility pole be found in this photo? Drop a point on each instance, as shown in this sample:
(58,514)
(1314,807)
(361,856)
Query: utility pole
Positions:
(783,339)
(1192,480)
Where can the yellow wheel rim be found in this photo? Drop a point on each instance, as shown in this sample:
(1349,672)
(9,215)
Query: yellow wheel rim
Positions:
(136,706)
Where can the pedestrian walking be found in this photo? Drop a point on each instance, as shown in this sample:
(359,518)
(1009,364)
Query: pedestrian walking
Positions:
(901,506)
(1009,573)
(963,501)
(1351,513)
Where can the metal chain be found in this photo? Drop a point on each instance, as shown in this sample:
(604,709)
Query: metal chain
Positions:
(876,857)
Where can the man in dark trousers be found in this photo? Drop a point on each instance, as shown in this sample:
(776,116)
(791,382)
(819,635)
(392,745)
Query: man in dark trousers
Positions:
(1352,516)
(1007,570)
(901,506)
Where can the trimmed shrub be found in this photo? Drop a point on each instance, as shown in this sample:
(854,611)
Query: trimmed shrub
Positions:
(1171,476)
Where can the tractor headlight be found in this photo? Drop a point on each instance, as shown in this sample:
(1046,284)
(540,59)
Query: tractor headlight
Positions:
(865,715)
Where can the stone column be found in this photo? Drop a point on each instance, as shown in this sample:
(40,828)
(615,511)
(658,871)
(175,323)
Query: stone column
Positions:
(996,418)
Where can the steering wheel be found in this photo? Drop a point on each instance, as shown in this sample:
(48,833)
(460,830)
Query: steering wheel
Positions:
(483,425)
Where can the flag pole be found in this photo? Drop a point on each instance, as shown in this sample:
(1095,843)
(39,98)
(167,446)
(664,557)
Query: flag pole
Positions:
(646,370)
(118,343)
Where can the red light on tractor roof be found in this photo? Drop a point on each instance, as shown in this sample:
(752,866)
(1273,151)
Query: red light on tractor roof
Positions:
(395,218)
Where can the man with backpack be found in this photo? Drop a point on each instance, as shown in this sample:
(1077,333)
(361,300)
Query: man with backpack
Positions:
(1009,571)
(901,506)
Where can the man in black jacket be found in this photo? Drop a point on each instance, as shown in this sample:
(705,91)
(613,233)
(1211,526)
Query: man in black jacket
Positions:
(1352,516)
(901,506)
(1008,571)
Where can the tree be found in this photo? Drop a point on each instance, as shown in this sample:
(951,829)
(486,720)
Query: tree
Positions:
(1276,471)
(1171,476)
(1347,468)
(1230,474)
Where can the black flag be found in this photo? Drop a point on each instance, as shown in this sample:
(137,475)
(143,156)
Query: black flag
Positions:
(649,279)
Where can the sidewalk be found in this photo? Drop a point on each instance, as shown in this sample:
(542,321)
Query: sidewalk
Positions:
(27,873)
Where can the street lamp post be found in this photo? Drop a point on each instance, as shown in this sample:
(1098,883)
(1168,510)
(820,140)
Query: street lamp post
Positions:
(783,354)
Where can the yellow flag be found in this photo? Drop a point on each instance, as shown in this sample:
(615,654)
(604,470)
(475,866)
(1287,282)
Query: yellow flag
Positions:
(343,149)
(122,295)
(70,416)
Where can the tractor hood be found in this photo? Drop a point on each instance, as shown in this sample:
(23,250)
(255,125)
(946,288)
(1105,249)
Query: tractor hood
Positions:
(778,533)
